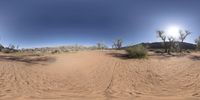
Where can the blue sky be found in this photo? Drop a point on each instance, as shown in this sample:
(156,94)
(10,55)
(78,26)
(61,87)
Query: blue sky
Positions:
(37,23)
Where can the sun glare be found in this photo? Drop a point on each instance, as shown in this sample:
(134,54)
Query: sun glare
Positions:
(173,31)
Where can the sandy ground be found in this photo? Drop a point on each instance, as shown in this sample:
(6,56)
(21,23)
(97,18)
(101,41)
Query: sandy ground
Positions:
(99,75)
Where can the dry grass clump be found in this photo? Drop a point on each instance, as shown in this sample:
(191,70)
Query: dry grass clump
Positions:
(137,51)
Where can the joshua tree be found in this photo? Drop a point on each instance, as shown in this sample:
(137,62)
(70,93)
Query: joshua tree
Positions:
(183,35)
(117,44)
(197,41)
(171,44)
(101,46)
(162,36)
(11,46)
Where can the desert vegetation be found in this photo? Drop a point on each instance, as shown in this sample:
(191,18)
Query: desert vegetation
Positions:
(59,49)
(197,41)
(162,36)
(183,35)
(101,46)
(138,51)
(10,49)
(117,44)
(173,44)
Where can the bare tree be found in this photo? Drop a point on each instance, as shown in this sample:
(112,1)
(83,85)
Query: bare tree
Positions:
(117,44)
(171,44)
(162,36)
(11,46)
(101,46)
(197,41)
(183,35)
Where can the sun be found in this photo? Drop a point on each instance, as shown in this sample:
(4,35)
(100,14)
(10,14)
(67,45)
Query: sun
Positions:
(173,31)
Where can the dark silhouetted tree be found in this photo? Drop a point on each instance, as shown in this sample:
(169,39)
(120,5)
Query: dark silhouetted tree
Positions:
(171,44)
(183,35)
(162,36)
(101,46)
(117,44)
(11,46)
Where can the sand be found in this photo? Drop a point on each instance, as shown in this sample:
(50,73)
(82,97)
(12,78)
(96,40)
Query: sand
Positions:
(99,75)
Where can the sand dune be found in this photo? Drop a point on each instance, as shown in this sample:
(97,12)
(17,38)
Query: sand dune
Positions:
(99,75)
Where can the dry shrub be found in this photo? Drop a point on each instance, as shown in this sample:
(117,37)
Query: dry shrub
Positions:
(137,51)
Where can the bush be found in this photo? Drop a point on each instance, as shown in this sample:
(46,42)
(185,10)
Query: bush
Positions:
(138,51)
(55,51)
(197,41)
(7,50)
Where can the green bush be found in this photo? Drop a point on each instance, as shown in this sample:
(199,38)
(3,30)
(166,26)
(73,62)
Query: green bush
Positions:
(137,51)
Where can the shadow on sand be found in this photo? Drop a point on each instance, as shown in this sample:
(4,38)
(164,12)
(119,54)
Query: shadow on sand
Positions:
(25,59)
(195,57)
(125,56)
(119,55)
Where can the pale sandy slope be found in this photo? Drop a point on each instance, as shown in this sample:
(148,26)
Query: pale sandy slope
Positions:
(99,75)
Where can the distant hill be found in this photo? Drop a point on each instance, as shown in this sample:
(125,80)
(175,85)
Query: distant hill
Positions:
(159,45)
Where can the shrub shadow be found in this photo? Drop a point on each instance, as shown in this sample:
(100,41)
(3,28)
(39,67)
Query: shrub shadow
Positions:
(125,56)
(194,57)
(25,59)
(120,55)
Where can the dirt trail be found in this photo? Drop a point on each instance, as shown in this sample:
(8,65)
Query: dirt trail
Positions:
(99,75)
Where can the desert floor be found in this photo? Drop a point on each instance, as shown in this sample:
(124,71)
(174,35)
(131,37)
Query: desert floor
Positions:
(99,75)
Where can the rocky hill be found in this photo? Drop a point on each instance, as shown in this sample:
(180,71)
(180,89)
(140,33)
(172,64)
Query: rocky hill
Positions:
(159,45)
